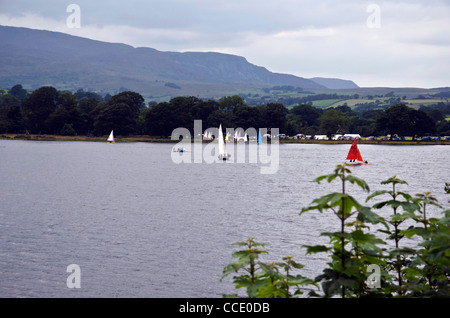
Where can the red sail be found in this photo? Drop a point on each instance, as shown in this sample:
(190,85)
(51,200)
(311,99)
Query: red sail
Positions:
(359,157)
(354,152)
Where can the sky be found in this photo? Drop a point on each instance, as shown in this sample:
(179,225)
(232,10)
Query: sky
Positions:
(373,43)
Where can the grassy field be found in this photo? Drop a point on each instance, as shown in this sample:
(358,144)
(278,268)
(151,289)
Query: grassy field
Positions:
(326,103)
(382,101)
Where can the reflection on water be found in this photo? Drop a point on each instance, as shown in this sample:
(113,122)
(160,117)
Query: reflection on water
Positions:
(140,225)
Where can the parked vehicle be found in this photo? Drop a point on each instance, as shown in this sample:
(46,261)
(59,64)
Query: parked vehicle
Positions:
(321,137)
(352,136)
(371,138)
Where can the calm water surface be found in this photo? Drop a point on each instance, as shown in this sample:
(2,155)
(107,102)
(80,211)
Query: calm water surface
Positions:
(139,225)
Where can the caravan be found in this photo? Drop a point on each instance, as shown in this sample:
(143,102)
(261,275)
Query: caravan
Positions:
(352,137)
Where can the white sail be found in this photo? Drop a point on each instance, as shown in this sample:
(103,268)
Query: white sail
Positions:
(221,142)
(223,155)
(111,137)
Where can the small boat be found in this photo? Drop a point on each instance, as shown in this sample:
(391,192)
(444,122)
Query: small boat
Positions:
(223,155)
(182,149)
(111,138)
(354,156)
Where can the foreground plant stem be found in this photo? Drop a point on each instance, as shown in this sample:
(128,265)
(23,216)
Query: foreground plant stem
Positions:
(343,228)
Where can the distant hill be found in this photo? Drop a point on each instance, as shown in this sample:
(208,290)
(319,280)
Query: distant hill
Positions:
(35,58)
(334,83)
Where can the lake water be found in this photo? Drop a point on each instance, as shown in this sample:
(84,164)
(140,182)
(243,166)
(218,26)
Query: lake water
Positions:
(139,225)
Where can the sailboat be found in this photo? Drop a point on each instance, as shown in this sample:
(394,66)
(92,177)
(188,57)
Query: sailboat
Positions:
(111,138)
(223,155)
(355,156)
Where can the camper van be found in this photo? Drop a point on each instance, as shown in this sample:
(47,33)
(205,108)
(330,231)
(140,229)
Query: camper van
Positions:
(352,136)
(320,137)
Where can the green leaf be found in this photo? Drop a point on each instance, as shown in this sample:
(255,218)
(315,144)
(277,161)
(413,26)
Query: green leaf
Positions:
(402,252)
(359,182)
(407,206)
(366,215)
(329,177)
(359,236)
(316,249)
(301,280)
(411,232)
(393,180)
(234,267)
(377,193)
(403,216)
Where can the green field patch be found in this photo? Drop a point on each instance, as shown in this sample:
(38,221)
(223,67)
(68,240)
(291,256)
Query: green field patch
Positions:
(325,103)
(429,101)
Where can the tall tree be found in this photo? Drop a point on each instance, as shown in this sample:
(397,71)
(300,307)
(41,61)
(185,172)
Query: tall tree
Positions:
(134,100)
(275,116)
(81,94)
(87,107)
(333,122)
(119,117)
(218,117)
(183,107)
(247,117)
(405,121)
(159,120)
(66,113)
(37,108)
(395,120)
(443,128)
(421,123)
(203,109)
(229,104)
(11,120)
(309,115)
(18,91)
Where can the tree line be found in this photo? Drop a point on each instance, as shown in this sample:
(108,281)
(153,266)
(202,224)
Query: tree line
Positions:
(49,111)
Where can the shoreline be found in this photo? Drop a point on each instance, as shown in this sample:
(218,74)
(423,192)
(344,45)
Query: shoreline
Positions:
(119,139)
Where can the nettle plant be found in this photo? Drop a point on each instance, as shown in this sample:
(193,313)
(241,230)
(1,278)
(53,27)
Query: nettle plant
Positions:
(265,280)
(420,267)
(362,264)
(353,248)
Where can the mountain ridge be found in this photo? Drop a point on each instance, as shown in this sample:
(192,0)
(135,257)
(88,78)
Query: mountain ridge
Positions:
(38,57)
